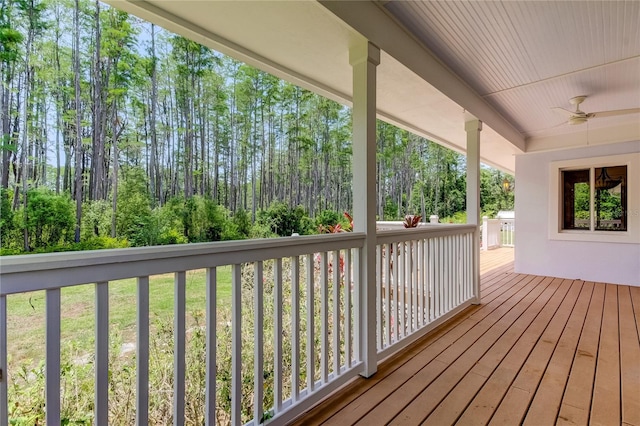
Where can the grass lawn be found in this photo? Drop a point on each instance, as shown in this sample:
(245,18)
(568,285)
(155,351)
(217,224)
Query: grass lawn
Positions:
(26,312)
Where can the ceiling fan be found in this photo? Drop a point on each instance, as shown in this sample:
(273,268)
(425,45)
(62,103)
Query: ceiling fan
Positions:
(578,116)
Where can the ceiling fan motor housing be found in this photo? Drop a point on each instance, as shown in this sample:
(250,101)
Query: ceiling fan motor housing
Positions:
(577,119)
(577,100)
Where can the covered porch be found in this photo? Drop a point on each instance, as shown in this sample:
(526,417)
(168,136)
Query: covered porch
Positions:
(538,350)
(517,344)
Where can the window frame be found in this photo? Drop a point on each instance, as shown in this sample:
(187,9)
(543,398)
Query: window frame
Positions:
(556,218)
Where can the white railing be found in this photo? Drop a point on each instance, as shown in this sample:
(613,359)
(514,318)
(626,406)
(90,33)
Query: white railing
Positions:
(382,225)
(318,283)
(424,276)
(295,302)
(507,232)
(498,233)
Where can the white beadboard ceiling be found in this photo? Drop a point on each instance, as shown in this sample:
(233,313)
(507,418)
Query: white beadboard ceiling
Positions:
(442,62)
(525,57)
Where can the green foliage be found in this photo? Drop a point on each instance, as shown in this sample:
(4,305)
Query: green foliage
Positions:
(608,204)
(582,201)
(328,218)
(168,222)
(261,230)
(242,221)
(171,236)
(98,243)
(96,219)
(390,211)
(330,222)
(92,243)
(285,221)
(458,217)
(10,37)
(493,197)
(203,220)
(48,218)
(133,212)
(6,217)
(193,121)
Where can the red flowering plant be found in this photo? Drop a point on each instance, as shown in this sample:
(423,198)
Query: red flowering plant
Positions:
(411,220)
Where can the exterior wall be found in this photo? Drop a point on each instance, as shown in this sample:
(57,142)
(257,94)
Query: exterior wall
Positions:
(535,253)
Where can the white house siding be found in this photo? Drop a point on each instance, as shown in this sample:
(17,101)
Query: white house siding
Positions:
(536,253)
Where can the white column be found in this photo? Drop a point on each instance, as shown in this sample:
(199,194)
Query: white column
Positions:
(473,129)
(364,58)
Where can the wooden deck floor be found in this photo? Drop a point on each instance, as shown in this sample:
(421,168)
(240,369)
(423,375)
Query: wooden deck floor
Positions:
(491,259)
(537,351)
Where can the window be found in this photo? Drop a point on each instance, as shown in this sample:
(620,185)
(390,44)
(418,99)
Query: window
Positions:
(595,199)
(606,204)
(576,193)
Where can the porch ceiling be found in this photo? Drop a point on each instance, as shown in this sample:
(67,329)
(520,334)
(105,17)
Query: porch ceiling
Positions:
(442,62)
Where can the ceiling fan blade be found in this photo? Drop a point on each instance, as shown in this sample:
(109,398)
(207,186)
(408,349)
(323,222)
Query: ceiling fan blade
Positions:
(564,111)
(614,113)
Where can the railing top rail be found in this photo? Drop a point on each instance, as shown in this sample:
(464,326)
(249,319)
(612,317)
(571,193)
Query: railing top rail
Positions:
(53,270)
(423,232)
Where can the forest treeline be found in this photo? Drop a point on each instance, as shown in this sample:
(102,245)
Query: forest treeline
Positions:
(115,128)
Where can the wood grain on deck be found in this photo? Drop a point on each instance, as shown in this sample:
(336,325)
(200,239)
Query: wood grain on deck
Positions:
(538,350)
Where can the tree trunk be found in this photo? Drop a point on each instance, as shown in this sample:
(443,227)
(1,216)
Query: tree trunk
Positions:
(78,153)
(153,173)
(114,185)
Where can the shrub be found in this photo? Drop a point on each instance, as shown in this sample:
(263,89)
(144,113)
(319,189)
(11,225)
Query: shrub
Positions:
(284,221)
(203,220)
(242,222)
(168,223)
(96,218)
(49,218)
(330,222)
(327,218)
(171,236)
(261,230)
(99,243)
(6,217)
(133,212)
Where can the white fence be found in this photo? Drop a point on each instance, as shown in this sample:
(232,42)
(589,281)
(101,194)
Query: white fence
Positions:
(307,289)
(498,233)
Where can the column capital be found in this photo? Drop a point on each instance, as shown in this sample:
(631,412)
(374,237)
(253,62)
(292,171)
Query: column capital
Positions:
(473,125)
(365,51)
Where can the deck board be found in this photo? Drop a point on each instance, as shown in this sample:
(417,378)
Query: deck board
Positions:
(576,402)
(548,397)
(605,408)
(538,350)
(448,411)
(482,406)
(629,359)
(469,350)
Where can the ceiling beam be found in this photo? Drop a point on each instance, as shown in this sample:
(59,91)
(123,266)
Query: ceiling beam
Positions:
(377,26)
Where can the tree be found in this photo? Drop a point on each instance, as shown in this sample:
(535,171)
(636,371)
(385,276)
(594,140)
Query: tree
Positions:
(133,214)
(78,182)
(10,40)
(232,142)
